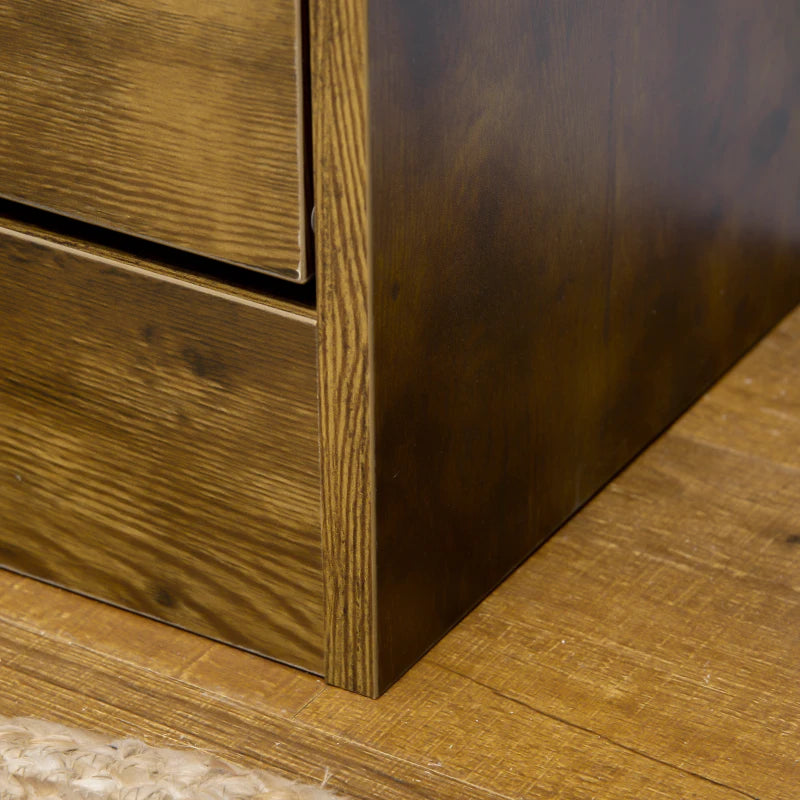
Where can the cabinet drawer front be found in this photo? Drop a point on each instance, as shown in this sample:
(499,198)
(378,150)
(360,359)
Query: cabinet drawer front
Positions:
(174,120)
(158,447)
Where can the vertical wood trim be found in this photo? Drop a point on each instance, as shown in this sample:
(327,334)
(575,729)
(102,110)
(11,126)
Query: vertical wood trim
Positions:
(339,117)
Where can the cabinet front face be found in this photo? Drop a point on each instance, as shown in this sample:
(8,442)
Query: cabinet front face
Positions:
(158,445)
(174,120)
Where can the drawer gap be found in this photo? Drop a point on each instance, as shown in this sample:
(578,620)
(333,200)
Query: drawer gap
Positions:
(210,272)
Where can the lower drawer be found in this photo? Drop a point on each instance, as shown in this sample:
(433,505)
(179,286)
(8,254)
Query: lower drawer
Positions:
(159,446)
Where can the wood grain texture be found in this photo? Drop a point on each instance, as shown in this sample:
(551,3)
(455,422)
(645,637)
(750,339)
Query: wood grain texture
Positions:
(110,696)
(581,215)
(172,120)
(338,34)
(650,648)
(159,446)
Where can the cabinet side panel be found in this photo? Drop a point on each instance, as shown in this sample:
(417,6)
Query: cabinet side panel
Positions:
(338,50)
(581,215)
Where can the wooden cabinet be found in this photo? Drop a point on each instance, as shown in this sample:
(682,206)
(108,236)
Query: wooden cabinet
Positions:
(542,230)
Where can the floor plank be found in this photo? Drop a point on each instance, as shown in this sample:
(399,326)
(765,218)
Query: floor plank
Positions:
(648,650)
(74,685)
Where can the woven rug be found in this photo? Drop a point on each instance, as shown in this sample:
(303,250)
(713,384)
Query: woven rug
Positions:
(41,760)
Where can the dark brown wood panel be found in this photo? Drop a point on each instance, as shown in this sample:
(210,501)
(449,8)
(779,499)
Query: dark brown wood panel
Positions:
(338,33)
(159,449)
(581,215)
(174,120)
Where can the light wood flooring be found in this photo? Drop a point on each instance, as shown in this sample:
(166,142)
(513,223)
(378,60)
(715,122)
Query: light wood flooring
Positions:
(651,649)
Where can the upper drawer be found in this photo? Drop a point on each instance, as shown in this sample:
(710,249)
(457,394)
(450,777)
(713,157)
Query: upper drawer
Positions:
(175,120)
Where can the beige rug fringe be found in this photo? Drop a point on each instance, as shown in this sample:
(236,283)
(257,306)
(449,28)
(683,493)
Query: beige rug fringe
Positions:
(46,761)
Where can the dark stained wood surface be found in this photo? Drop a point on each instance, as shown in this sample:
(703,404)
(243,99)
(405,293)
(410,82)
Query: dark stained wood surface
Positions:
(338,70)
(159,446)
(649,650)
(581,215)
(173,120)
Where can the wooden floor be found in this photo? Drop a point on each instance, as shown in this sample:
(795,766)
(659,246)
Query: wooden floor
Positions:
(651,649)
